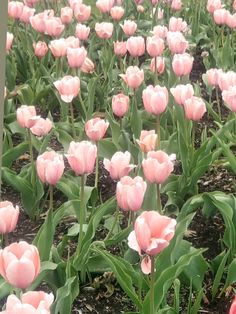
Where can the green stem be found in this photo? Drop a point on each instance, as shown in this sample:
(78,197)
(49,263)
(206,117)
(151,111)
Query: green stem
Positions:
(50,197)
(156,74)
(159,205)
(113,225)
(158,132)
(193,133)
(72,121)
(31,158)
(218,102)
(82,213)
(152,282)
(96,171)
(82,104)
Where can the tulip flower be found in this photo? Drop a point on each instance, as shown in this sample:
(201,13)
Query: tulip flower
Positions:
(176,5)
(220,16)
(182,93)
(226,79)
(104,6)
(8,217)
(160,65)
(66,15)
(26,116)
(82,31)
(194,108)
(54,26)
(177,25)
(9,41)
(40,49)
(147,141)
(68,87)
(229,97)
(120,104)
(182,64)
(160,31)
(155,99)
(88,66)
(129,27)
(19,264)
(42,127)
(15,9)
(104,30)
(130,193)
(135,46)
(58,47)
(96,128)
(119,165)
(176,42)
(120,48)
(117,12)
(233,307)
(133,77)
(155,46)
(76,57)
(26,14)
(82,12)
(212,76)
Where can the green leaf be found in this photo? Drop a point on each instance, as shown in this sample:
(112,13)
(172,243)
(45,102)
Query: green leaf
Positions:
(13,153)
(219,275)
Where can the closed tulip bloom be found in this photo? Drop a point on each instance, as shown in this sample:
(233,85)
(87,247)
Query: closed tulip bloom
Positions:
(160,31)
(74,3)
(226,79)
(212,76)
(220,16)
(88,66)
(133,77)
(136,46)
(104,6)
(213,5)
(50,167)
(38,22)
(155,99)
(9,41)
(119,165)
(54,26)
(160,65)
(8,217)
(27,13)
(231,20)
(81,157)
(120,48)
(177,25)
(26,116)
(19,264)
(194,108)
(120,104)
(117,12)
(58,47)
(140,8)
(68,87)
(42,127)
(155,46)
(160,14)
(129,27)
(66,15)
(76,56)
(130,193)
(82,31)
(182,93)
(15,9)
(177,42)
(176,5)
(152,233)
(40,49)
(229,97)
(182,64)
(30,3)
(233,307)
(104,30)
(96,128)
(147,141)
(82,12)
(157,167)
(72,42)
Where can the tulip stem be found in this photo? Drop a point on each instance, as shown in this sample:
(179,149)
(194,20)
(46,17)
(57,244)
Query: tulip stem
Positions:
(81,213)
(158,142)
(159,205)
(50,197)
(155,69)
(96,172)
(31,157)
(72,121)
(82,104)
(113,225)
(193,133)
(152,282)
(218,102)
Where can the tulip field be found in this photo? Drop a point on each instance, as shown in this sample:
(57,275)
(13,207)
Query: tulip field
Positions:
(118,164)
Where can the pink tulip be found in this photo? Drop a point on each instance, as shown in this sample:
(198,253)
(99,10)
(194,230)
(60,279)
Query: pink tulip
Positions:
(27,13)
(120,104)
(117,13)
(30,3)
(155,99)
(120,48)
(72,42)
(50,167)
(154,2)
(74,3)
(32,302)
(68,87)
(81,157)
(26,116)
(213,76)
(233,307)
(231,20)
(182,93)
(155,46)
(182,64)
(213,5)
(160,31)
(157,167)
(96,128)
(88,66)
(177,25)
(8,217)
(38,22)
(140,8)
(119,165)
(40,49)
(130,193)
(82,31)
(104,30)
(82,12)
(133,77)
(66,15)
(19,264)
(152,233)
(129,27)
(54,26)
(136,46)
(9,41)
(15,9)
(147,141)
(76,57)
(58,47)
(176,5)
(176,42)
(160,14)
(220,16)
(194,108)
(226,79)
(104,6)
(160,65)
(229,97)
(42,127)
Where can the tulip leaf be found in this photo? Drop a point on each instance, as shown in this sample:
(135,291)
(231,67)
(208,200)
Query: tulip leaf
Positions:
(13,154)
